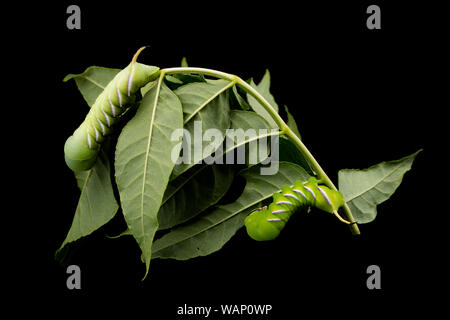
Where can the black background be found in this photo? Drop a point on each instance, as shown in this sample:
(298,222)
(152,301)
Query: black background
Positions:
(359,97)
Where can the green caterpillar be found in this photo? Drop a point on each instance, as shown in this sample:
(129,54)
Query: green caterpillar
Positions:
(81,149)
(266,223)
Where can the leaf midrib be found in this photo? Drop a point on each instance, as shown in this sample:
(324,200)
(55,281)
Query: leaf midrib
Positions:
(235,146)
(172,194)
(204,104)
(158,89)
(93,81)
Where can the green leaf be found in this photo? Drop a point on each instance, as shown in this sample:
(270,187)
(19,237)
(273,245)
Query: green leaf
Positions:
(240,100)
(205,106)
(143,162)
(174,81)
(246,134)
(193,192)
(364,189)
(209,232)
(290,153)
(180,79)
(291,123)
(184,63)
(96,205)
(92,81)
(264,89)
(147,87)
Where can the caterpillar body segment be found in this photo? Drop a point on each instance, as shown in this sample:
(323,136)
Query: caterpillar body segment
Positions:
(81,149)
(267,222)
(263,225)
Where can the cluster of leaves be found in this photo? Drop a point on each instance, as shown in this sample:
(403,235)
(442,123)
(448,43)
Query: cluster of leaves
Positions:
(175,210)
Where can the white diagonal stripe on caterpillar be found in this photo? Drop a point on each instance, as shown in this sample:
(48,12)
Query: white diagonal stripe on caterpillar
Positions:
(324,195)
(273,220)
(113,108)
(130,78)
(108,123)
(88,138)
(300,192)
(310,191)
(96,133)
(101,126)
(119,96)
(285,202)
(279,211)
(289,195)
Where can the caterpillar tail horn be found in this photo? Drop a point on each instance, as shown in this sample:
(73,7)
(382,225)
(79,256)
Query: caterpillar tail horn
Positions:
(340,218)
(136,55)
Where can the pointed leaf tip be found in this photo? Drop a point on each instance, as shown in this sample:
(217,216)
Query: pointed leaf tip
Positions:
(364,189)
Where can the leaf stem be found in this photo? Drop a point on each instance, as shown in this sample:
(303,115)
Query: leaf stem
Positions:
(204,71)
(280,123)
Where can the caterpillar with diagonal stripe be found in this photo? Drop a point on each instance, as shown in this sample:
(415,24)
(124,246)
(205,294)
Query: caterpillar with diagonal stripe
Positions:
(81,149)
(267,222)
